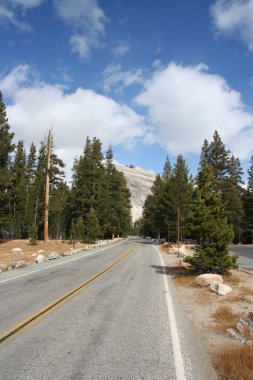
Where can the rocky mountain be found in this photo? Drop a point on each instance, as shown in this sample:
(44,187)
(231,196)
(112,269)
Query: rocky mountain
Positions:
(139,182)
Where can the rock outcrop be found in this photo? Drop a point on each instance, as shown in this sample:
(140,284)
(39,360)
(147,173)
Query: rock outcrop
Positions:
(139,182)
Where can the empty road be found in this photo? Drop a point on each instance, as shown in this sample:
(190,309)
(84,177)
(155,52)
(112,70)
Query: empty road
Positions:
(105,315)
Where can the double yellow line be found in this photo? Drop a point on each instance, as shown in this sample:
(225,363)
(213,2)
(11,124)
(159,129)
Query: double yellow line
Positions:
(30,321)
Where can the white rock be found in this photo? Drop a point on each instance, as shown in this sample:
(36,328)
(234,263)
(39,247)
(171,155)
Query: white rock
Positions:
(220,289)
(40,259)
(3,268)
(207,278)
(41,251)
(53,256)
(69,253)
(19,264)
(16,250)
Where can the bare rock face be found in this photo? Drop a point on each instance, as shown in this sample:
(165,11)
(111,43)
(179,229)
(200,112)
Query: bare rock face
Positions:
(207,278)
(139,182)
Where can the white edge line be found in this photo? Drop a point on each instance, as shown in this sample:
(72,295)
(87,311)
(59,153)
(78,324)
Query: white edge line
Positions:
(54,265)
(178,359)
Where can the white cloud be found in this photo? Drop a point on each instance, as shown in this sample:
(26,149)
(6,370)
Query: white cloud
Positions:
(27,3)
(186,104)
(9,12)
(87,20)
(117,79)
(74,115)
(80,45)
(121,49)
(235,18)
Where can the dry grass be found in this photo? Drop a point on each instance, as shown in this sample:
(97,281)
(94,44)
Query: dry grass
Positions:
(225,318)
(235,363)
(7,256)
(239,298)
(246,291)
(184,280)
(231,279)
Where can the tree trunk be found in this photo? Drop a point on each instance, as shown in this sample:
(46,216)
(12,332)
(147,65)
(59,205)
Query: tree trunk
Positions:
(47,186)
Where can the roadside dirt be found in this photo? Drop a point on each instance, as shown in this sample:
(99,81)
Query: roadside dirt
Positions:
(29,252)
(209,314)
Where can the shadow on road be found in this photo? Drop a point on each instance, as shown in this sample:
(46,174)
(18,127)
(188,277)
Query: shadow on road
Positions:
(165,270)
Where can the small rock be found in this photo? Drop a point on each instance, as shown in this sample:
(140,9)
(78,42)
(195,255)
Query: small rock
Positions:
(34,254)
(220,289)
(69,253)
(3,268)
(207,278)
(40,259)
(236,335)
(16,250)
(41,251)
(53,256)
(19,264)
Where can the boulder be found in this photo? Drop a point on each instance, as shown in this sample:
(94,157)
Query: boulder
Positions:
(207,278)
(40,259)
(19,264)
(3,268)
(54,256)
(220,289)
(16,250)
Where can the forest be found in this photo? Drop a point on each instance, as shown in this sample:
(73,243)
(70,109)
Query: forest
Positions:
(181,207)
(96,205)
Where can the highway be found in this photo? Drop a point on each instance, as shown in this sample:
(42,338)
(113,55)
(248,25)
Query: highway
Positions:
(106,315)
(245,260)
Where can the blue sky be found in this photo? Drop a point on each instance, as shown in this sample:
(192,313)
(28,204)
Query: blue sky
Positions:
(149,77)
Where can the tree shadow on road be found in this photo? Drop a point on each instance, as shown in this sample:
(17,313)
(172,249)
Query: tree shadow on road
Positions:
(166,270)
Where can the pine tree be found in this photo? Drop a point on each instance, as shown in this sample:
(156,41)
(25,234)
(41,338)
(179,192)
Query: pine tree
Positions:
(232,197)
(18,193)
(6,148)
(91,227)
(31,167)
(181,194)
(248,207)
(208,223)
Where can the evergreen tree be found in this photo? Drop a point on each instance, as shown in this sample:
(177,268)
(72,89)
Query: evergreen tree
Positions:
(232,197)
(208,223)
(6,148)
(218,157)
(91,227)
(181,189)
(31,167)
(248,207)
(18,193)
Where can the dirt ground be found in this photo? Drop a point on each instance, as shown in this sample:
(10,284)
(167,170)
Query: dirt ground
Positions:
(29,252)
(210,314)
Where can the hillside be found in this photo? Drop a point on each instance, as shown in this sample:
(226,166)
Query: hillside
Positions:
(139,182)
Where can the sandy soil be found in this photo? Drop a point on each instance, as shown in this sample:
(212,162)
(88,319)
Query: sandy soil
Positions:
(29,253)
(200,304)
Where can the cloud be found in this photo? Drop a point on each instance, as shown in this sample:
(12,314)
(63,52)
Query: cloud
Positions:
(186,104)
(114,78)
(121,49)
(234,18)
(87,21)
(9,12)
(74,115)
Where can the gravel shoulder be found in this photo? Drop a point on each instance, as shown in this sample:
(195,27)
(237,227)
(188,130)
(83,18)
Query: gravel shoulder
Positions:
(196,306)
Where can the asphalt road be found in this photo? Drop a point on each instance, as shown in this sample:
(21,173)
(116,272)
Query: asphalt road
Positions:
(245,260)
(118,327)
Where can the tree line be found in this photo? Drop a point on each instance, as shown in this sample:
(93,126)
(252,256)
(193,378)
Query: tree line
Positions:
(96,205)
(213,209)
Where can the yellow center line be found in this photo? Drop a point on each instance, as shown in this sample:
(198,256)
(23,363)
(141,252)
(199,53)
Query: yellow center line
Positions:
(30,321)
